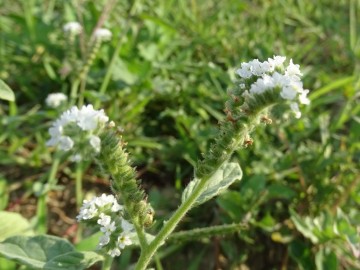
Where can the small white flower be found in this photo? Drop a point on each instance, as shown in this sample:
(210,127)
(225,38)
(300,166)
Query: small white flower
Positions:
(66,143)
(104,220)
(72,27)
(123,240)
(54,100)
(276,61)
(104,200)
(108,228)
(303,97)
(242,85)
(104,240)
(114,252)
(103,34)
(87,211)
(293,70)
(88,118)
(245,71)
(126,226)
(256,67)
(116,207)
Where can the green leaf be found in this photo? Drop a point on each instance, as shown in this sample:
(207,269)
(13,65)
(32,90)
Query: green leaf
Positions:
(326,260)
(46,252)
(13,224)
(304,226)
(301,253)
(227,174)
(73,260)
(5,92)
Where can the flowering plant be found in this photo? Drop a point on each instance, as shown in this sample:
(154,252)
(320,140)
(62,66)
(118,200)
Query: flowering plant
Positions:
(262,85)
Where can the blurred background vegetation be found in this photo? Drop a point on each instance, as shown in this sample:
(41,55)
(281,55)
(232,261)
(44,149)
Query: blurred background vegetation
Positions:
(172,62)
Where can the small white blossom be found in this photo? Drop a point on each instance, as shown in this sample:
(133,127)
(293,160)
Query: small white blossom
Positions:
(126,226)
(124,240)
(275,62)
(72,27)
(102,34)
(303,97)
(88,119)
(87,211)
(54,100)
(104,220)
(114,252)
(66,143)
(256,67)
(104,200)
(245,71)
(293,70)
(104,240)
(116,207)
(108,228)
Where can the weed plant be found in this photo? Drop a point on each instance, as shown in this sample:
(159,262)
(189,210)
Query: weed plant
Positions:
(163,77)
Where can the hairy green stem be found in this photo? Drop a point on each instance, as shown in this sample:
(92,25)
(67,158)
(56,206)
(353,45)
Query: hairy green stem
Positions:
(169,226)
(106,265)
(234,132)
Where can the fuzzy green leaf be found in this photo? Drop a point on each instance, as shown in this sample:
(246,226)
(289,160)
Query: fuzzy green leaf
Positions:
(46,252)
(5,92)
(7,227)
(227,174)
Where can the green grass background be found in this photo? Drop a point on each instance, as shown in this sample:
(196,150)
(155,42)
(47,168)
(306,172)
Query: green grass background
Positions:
(167,88)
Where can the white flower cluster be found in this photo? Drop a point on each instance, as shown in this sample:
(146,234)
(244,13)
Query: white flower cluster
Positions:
(77,128)
(107,213)
(54,100)
(102,34)
(72,28)
(271,74)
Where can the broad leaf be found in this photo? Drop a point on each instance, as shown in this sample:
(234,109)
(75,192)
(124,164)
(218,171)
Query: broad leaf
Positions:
(46,252)
(13,224)
(227,174)
(5,92)
(73,260)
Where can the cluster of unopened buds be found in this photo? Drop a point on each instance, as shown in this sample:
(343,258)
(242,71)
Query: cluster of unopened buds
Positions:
(258,77)
(77,130)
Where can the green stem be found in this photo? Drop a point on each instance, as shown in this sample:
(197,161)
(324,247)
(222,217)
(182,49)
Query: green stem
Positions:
(81,78)
(111,66)
(232,134)
(200,233)
(141,236)
(169,226)
(78,184)
(41,212)
(106,265)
